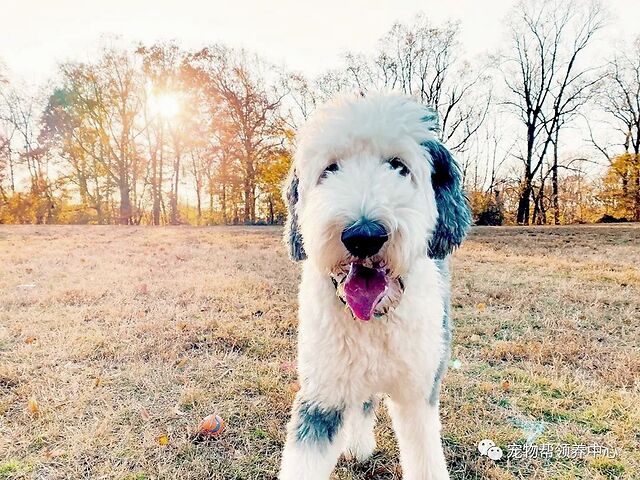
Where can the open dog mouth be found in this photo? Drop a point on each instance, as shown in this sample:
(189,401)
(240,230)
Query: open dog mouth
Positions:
(364,287)
(367,288)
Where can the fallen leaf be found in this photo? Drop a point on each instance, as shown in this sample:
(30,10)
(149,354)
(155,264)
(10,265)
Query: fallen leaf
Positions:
(143,289)
(288,366)
(506,385)
(294,387)
(181,363)
(481,307)
(163,440)
(144,414)
(32,406)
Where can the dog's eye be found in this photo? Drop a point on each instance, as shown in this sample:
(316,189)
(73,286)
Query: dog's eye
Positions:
(399,166)
(334,167)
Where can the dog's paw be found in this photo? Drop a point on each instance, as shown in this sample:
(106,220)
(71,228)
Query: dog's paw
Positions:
(360,449)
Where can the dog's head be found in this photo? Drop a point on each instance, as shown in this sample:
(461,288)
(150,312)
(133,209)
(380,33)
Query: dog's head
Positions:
(371,190)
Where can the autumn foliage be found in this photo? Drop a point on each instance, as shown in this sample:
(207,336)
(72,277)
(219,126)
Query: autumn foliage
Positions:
(157,134)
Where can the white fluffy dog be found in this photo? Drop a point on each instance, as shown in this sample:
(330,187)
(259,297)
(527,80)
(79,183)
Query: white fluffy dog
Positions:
(375,208)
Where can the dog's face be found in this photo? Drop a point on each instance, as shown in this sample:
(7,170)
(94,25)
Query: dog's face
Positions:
(371,190)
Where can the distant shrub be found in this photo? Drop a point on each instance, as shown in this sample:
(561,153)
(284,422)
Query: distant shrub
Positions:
(492,216)
(606,218)
(487,208)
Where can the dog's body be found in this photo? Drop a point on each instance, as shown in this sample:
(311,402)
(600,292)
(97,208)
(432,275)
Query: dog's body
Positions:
(375,207)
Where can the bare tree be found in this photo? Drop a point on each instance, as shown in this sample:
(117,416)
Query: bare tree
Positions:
(425,61)
(7,131)
(619,99)
(545,78)
(23,148)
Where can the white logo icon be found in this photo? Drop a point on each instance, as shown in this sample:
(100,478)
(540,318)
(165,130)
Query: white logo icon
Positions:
(488,448)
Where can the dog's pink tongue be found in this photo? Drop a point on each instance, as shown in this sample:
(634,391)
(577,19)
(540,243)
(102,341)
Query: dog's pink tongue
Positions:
(363,289)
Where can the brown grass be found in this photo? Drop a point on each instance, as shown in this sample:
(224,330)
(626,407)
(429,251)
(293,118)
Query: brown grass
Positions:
(130,334)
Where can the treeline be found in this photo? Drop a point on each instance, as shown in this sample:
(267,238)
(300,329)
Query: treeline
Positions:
(157,134)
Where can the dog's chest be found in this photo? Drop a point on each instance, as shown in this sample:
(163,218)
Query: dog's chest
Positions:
(346,358)
(393,351)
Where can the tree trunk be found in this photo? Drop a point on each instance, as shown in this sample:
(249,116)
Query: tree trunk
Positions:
(554,193)
(271,211)
(11,171)
(526,188)
(249,191)
(125,204)
(554,180)
(247,201)
(199,201)
(223,201)
(524,202)
(210,208)
(157,181)
(175,220)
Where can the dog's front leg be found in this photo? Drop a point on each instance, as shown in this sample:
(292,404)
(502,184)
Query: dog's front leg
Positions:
(417,426)
(360,439)
(315,439)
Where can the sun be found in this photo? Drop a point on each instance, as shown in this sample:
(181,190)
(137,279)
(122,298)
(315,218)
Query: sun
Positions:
(166,104)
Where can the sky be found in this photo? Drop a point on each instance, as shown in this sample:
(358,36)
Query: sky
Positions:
(36,35)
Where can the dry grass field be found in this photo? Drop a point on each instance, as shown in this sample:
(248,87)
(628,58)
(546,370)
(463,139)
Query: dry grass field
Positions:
(115,342)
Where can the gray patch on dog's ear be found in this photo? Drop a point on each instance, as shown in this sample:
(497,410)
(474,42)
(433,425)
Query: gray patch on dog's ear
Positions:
(454,215)
(292,235)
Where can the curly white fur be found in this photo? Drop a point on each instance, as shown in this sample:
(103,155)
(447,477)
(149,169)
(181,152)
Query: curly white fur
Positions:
(343,362)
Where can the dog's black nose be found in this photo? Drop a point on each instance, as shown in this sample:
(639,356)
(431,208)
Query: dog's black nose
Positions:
(364,238)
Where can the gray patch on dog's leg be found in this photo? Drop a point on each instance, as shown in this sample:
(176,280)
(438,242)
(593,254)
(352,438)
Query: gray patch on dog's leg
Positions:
(318,423)
(445,278)
(369,407)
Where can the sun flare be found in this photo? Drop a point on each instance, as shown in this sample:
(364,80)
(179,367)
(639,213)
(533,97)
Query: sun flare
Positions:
(166,105)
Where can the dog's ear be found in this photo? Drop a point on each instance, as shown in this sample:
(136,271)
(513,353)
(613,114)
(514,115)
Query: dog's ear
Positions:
(454,215)
(292,235)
